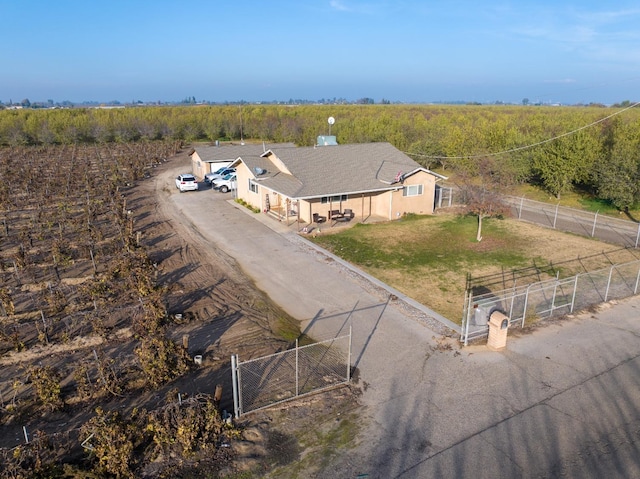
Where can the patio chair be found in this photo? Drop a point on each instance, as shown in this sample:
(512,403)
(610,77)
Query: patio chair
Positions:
(348,214)
(319,219)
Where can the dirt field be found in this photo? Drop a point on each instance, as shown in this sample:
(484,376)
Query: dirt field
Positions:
(231,316)
(223,313)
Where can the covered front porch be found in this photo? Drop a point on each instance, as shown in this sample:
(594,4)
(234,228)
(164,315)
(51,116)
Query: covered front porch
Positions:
(295,223)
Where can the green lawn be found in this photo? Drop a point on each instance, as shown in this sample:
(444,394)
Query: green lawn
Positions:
(416,242)
(428,257)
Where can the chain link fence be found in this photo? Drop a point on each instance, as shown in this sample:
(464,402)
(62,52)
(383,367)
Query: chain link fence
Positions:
(585,223)
(448,196)
(581,222)
(550,298)
(263,382)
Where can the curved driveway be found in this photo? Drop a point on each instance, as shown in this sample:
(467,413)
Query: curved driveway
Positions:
(563,401)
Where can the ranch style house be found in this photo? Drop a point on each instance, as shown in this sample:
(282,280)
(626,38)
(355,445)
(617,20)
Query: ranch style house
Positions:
(327,182)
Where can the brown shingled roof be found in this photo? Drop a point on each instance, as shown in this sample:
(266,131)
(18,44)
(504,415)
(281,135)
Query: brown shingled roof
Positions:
(233,151)
(344,169)
(332,170)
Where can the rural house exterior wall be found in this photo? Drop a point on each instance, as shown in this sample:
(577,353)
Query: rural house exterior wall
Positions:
(243,176)
(422,204)
(386,204)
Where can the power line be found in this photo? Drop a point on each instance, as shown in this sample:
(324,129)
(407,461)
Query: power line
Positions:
(520,148)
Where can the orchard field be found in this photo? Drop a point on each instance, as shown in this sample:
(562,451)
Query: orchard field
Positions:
(69,248)
(591,148)
(104,301)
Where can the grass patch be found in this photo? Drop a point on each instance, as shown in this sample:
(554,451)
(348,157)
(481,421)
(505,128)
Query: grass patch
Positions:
(339,438)
(287,328)
(321,443)
(429,242)
(428,257)
(598,205)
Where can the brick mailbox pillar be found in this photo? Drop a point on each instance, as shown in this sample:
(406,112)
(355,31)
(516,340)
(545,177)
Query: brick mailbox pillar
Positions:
(498,327)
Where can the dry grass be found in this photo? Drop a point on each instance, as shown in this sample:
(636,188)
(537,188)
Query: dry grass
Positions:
(428,258)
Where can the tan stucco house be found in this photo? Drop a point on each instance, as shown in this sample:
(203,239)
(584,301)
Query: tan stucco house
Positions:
(370,180)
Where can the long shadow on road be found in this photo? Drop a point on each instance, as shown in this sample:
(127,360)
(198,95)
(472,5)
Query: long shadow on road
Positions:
(364,322)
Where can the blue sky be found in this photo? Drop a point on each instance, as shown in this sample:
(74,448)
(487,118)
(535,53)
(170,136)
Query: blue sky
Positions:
(263,50)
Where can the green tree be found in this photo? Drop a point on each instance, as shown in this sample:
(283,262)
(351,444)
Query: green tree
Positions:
(567,161)
(482,193)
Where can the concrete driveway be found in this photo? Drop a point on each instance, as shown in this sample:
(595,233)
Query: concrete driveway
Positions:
(563,401)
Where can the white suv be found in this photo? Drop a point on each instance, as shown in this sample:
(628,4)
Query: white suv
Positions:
(186,182)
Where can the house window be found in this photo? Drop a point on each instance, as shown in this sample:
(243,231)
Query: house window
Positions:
(412,190)
(253,187)
(333,199)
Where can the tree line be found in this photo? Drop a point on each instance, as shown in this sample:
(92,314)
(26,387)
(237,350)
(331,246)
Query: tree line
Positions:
(603,158)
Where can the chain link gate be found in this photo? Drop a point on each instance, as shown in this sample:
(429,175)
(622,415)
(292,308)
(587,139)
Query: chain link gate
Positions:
(262,382)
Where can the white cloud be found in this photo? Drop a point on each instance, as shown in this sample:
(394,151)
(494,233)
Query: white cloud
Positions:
(337,5)
(367,8)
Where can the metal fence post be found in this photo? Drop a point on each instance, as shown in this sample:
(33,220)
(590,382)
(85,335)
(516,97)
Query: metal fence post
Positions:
(635,288)
(555,217)
(606,293)
(297,370)
(466,325)
(513,298)
(526,300)
(465,307)
(520,211)
(595,219)
(349,355)
(450,196)
(637,236)
(234,383)
(553,298)
(575,289)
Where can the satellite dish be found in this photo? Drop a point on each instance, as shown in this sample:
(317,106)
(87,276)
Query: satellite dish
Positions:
(331,121)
